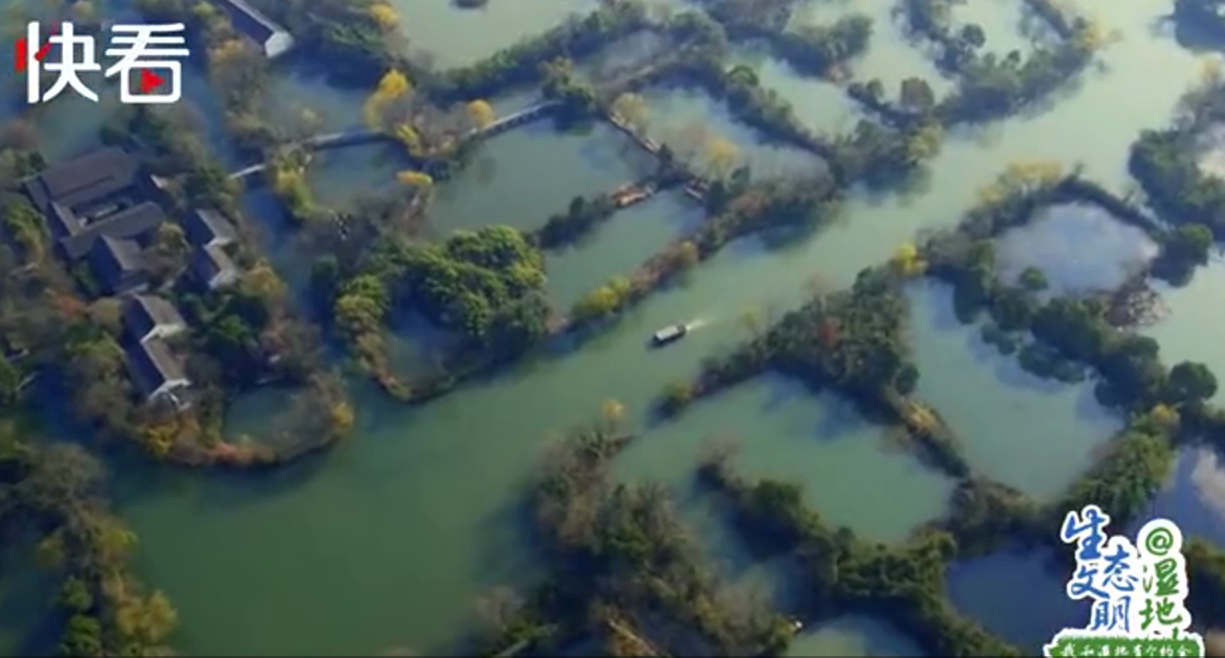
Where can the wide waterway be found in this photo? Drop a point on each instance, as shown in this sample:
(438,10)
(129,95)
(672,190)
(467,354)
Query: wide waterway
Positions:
(388,540)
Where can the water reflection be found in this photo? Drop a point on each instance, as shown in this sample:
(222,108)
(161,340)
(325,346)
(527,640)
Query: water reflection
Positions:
(852,636)
(1191,329)
(697,126)
(619,246)
(1008,25)
(448,36)
(1033,434)
(25,628)
(785,431)
(522,177)
(333,108)
(1081,248)
(1211,144)
(820,105)
(892,58)
(276,233)
(1019,596)
(1194,496)
(341,178)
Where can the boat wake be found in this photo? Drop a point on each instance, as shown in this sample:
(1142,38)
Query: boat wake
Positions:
(697,323)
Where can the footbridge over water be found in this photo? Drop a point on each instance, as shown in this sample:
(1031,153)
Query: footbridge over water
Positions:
(362,136)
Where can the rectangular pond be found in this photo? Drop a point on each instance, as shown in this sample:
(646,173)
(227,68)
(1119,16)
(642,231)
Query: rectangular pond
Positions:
(618,246)
(821,106)
(701,131)
(785,431)
(522,177)
(1019,596)
(450,36)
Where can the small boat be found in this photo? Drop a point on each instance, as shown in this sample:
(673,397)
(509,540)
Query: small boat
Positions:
(669,335)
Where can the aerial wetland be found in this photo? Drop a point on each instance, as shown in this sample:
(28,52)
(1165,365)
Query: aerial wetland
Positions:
(937,271)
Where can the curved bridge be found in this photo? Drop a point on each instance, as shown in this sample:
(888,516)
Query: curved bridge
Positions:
(360,136)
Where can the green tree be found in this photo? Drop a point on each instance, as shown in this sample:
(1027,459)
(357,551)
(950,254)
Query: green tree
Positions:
(917,94)
(1191,382)
(1189,243)
(10,383)
(82,637)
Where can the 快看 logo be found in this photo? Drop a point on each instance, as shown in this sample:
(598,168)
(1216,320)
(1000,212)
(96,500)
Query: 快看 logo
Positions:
(140,51)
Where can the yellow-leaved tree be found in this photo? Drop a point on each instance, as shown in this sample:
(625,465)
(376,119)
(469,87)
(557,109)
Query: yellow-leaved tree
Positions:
(385,15)
(603,300)
(1210,71)
(687,254)
(261,281)
(224,52)
(409,137)
(721,156)
(392,86)
(481,113)
(613,411)
(632,109)
(1020,178)
(908,261)
(415,178)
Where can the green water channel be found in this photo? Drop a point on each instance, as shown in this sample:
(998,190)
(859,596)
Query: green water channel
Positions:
(387,541)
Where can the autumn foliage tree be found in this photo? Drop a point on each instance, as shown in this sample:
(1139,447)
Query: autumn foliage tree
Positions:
(603,300)
(632,109)
(481,113)
(907,261)
(385,15)
(426,131)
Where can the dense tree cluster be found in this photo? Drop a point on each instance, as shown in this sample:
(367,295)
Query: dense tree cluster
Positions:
(852,340)
(1065,330)
(1164,162)
(624,572)
(811,49)
(485,286)
(520,64)
(234,64)
(54,494)
(580,217)
(358,39)
(841,574)
(990,86)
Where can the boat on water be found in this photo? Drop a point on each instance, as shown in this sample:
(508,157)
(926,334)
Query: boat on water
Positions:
(669,335)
